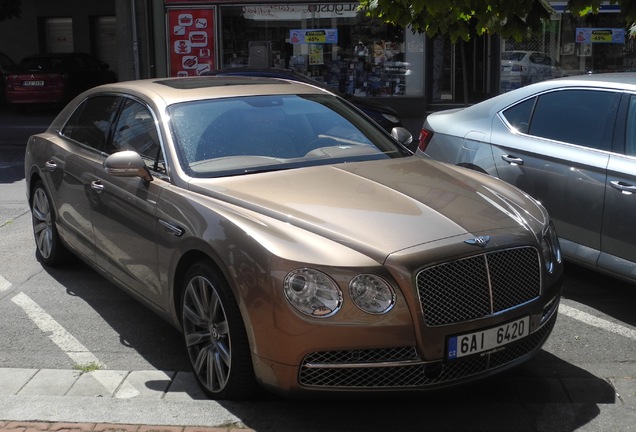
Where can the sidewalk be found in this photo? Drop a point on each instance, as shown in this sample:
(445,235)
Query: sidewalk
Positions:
(108,400)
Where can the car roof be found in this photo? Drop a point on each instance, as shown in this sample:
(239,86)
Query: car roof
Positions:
(463,117)
(615,81)
(167,91)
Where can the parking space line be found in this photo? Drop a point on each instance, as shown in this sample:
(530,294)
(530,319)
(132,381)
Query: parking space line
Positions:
(597,322)
(4,284)
(63,339)
(71,346)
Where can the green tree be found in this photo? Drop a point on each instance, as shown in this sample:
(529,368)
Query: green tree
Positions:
(10,9)
(459,19)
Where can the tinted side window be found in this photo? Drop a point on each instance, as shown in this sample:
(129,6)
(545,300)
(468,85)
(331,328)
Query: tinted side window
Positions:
(136,130)
(581,117)
(90,123)
(518,116)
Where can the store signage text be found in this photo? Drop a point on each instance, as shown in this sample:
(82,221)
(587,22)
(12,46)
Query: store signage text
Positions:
(315,36)
(600,35)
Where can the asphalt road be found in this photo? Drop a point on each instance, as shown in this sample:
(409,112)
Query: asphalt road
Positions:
(583,379)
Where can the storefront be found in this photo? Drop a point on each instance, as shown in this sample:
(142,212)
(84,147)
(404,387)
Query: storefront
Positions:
(339,45)
(569,45)
(333,42)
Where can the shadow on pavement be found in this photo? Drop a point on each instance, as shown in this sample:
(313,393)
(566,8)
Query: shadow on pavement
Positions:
(604,293)
(139,328)
(523,399)
(546,393)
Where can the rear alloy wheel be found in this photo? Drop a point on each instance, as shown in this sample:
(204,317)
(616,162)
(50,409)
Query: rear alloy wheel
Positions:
(215,336)
(50,249)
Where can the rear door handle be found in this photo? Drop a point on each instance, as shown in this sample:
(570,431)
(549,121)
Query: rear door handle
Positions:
(50,166)
(512,160)
(625,188)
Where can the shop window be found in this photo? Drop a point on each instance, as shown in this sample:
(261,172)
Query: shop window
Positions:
(333,43)
(569,45)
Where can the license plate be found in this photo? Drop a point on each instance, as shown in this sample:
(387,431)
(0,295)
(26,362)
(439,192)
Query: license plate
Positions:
(33,83)
(489,339)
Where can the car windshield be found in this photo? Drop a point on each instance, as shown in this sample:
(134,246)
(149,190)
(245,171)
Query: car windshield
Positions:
(240,135)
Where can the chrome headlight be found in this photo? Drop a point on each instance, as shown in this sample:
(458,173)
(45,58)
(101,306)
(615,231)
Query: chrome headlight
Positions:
(372,294)
(550,248)
(312,292)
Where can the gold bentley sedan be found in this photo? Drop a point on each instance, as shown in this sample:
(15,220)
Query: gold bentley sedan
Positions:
(297,245)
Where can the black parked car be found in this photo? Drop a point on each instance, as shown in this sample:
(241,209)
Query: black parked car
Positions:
(385,116)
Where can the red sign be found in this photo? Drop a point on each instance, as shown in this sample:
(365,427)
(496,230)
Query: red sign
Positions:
(191,41)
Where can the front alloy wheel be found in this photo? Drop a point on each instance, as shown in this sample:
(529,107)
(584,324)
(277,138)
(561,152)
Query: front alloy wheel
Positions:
(215,336)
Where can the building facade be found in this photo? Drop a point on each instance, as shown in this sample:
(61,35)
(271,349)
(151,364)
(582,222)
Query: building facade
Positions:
(331,41)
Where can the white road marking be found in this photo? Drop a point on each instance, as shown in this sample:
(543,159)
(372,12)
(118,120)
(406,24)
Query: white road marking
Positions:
(597,322)
(70,345)
(63,339)
(4,284)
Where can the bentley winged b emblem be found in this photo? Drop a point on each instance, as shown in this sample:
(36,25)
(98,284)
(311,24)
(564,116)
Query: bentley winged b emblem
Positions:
(480,241)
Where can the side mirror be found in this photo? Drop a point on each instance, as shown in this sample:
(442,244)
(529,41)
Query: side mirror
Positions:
(402,135)
(127,163)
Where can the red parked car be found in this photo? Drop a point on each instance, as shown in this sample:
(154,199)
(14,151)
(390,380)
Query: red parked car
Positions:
(55,78)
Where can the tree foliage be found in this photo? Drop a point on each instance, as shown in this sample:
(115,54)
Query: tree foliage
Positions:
(10,9)
(459,19)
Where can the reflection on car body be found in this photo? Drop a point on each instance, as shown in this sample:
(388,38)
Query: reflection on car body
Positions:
(570,143)
(292,240)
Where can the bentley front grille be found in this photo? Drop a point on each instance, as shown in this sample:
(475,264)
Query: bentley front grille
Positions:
(401,367)
(479,286)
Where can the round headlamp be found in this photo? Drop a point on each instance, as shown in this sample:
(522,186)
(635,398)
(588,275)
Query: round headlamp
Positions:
(372,294)
(312,292)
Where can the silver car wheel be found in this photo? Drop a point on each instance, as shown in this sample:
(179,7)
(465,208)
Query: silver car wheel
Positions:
(42,223)
(215,335)
(207,334)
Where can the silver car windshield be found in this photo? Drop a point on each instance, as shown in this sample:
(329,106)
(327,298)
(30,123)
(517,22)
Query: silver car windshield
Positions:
(241,135)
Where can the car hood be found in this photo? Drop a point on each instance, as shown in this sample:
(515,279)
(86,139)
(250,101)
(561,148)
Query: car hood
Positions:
(380,207)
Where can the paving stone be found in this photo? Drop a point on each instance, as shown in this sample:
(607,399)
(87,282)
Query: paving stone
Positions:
(146,384)
(50,382)
(12,380)
(100,383)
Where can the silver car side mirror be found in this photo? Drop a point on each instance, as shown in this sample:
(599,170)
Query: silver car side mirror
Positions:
(127,163)
(402,135)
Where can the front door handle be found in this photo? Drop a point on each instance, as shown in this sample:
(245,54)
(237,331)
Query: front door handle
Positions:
(512,160)
(50,166)
(97,186)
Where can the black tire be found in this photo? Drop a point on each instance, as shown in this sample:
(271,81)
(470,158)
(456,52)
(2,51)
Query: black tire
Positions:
(49,248)
(215,335)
